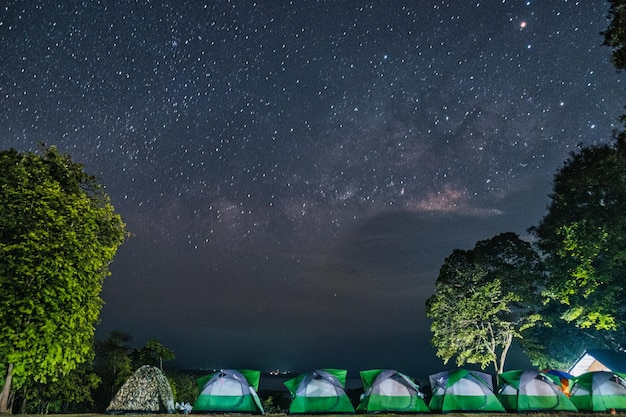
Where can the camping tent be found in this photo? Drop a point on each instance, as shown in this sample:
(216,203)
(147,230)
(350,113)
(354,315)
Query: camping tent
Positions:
(523,391)
(319,391)
(599,391)
(565,379)
(390,391)
(229,390)
(463,390)
(146,391)
(599,360)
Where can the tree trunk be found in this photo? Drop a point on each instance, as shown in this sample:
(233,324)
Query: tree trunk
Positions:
(505,351)
(6,391)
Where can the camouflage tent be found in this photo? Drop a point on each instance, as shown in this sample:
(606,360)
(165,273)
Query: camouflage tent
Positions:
(147,391)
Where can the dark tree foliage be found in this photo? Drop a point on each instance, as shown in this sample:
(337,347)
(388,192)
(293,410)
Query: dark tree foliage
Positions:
(556,344)
(184,387)
(71,393)
(116,360)
(113,364)
(615,35)
(583,238)
(153,353)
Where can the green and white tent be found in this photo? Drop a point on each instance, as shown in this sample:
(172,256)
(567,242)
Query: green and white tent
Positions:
(463,390)
(387,390)
(599,391)
(319,391)
(529,390)
(229,391)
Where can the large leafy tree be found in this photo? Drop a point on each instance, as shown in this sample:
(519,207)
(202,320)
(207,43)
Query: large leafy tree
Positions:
(58,235)
(484,298)
(583,237)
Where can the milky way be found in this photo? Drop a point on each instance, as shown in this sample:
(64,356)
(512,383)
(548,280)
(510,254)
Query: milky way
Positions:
(295,172)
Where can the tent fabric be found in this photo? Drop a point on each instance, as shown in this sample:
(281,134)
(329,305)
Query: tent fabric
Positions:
(229,390)
(146,391)
(529,390)
(599,391)
(565,379)
(390,391)
(599,360)
(319,391)
(463,390)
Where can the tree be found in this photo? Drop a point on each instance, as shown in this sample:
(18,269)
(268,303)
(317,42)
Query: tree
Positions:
(556,344)
(185,387)
(69,393)
(485,298)
(583,238)
(154,353)
(615,35)
(113,365)
(58,235)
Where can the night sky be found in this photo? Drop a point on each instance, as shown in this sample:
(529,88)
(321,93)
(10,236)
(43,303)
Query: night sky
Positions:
(294,173)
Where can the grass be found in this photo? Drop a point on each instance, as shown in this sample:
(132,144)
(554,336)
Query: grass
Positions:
(619,414)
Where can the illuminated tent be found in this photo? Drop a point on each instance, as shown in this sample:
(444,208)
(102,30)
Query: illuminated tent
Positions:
(319,391)
(463,390)
(390,391)
(530,390)
(147,391)
(599,391)
(229,391)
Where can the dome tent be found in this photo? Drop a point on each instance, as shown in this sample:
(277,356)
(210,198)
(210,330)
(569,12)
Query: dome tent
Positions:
(319,391)
(229,390)
(599,391)
(463,390)
(387,390)
(530,390)
(146,391)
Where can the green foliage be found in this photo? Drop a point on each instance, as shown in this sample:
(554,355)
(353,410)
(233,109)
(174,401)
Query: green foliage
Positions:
(184,386)
(69,393)
(58,235)
(116,361)
(556,344)
(269,406)
(153,353)
(583,237)
(113,365)
(474,318)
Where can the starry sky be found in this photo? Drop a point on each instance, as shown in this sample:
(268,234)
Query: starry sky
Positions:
(294,173)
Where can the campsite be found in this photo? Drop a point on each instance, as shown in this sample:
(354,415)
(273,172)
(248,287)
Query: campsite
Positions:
(382,392)
(379,415)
